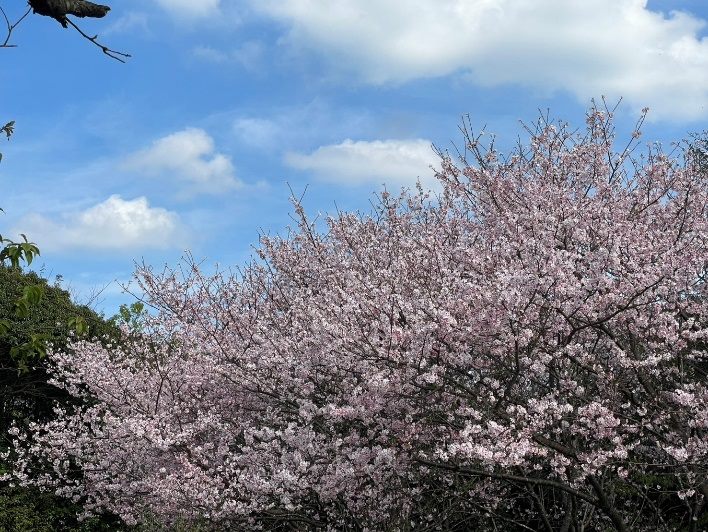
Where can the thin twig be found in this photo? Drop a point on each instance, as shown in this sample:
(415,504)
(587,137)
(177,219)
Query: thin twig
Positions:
(11,27)
(118,56)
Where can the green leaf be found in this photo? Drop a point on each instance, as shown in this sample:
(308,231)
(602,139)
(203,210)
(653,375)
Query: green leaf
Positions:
(33,293)
(21,308)
(35,348)
(15,252)
(8,128)
(78,323)
(31,296)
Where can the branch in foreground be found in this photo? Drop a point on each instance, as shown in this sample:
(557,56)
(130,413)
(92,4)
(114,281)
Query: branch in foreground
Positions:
(114,54)
(60,9)
(11,27)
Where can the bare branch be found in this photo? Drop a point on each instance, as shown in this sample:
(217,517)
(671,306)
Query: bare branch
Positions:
(11,27)
(118,56)
(59,10)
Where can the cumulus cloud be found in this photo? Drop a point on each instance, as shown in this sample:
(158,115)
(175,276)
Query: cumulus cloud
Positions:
(189,156)
(393,162)
(114,224)
(190,8)
(611,47)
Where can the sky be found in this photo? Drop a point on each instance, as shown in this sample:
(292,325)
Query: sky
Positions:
(226,106)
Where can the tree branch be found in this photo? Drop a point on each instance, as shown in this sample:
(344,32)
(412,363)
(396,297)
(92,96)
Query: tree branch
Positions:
(606,506)
(10,27)
(114,54)
(558,447)
(517,478)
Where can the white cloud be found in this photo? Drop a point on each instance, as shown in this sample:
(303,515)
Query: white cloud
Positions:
(290,128)
(132,21)
(260,132)
(394,162)
(248,55)
(611,47)
(190,8)
(209,54)
(114,224)
(189,156)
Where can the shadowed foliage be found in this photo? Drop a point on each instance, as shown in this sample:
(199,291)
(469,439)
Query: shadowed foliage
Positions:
(25,393)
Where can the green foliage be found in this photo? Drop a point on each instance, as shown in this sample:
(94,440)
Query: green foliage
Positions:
(131,315)
(8,129)
(31,295)
(29,510)
(18,251)
(78,323)
(34,314)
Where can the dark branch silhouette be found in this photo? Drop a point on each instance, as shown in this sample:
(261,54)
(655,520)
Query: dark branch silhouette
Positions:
(59,11)
(118,56)
(10,27)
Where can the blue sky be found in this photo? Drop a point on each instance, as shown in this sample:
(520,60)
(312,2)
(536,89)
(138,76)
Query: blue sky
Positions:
(192,143)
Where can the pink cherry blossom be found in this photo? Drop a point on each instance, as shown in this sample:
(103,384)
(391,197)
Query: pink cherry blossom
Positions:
(527,348)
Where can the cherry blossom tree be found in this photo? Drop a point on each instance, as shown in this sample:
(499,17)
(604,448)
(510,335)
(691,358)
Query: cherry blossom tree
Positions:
(524,351)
